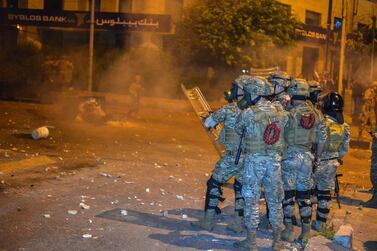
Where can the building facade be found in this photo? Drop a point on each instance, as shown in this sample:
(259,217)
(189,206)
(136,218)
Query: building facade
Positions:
(304,59)
(308,55)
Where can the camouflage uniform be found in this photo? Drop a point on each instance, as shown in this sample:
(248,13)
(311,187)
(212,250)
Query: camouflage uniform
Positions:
(262,164)
(337,145)
(368,116)
(225,167)
(373,172)
(305,129)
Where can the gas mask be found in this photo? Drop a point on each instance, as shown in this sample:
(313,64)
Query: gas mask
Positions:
(247,100)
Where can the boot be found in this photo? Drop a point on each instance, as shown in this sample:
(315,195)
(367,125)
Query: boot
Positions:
(237,225)
(372,202)
(207,222)
(305,231)
(276,243)
(317,225)
(288,234)
(250,243)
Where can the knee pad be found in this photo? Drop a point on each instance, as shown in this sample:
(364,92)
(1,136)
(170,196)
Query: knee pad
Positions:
(289,196)
(213,184)
(237,186)
(324,195)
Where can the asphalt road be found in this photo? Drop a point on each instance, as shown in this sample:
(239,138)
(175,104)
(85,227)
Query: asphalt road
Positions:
(143,179)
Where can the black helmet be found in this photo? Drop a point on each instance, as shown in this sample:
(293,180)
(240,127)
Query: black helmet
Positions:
(332,102)
(332,105)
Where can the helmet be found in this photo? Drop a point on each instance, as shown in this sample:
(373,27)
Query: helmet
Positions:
(280,78)
(258,86)
(332,102)
(314,89)
(299,88)
(253,86)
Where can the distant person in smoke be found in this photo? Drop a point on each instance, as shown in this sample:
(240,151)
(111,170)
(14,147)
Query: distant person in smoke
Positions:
(135,90)
(90,111)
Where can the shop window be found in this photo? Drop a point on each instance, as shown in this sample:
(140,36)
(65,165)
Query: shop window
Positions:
(338,24)
(309,60)
(53,4)
(313,18)
(13,4)
(125,5)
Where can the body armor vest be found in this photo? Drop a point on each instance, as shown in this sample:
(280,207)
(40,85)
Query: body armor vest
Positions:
(254,139)
(298,136)
(229,136)
(335,134)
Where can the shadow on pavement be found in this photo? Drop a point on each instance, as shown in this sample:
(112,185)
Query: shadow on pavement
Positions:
(182,233)
(173,221)
(370,245)
(350,201)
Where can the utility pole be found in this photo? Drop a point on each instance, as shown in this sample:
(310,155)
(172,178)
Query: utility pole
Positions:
(328,34)
(91,47)
(342,46)
(372,54)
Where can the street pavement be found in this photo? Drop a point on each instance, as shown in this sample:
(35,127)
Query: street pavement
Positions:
(140,179)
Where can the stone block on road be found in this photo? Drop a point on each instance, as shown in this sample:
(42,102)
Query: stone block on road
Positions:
(344,235)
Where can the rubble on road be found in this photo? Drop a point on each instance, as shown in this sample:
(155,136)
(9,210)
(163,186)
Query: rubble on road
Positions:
(344,236)
(72,212)
(86,236)
(320,243)
(84,206)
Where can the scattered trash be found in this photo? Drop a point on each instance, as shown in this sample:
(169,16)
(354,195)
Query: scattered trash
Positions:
(171,177)
(47,215)
(40,133)
(165,213)
(86,236)
(206,174)
(84,206)
(72,212)
(114,202)
(147,190)
(105,175)
(184,216)
(360,207)
(90,221)
(179,197)
(123,212)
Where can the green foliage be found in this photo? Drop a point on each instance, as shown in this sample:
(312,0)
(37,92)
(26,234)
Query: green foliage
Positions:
(327,232)
(234,32)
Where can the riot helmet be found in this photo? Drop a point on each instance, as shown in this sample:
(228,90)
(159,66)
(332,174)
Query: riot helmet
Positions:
(280,81)
(315,90)
(299,89)
(254,88)
(332,104)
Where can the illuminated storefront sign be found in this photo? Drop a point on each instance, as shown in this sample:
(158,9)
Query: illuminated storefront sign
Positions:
(81,20)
